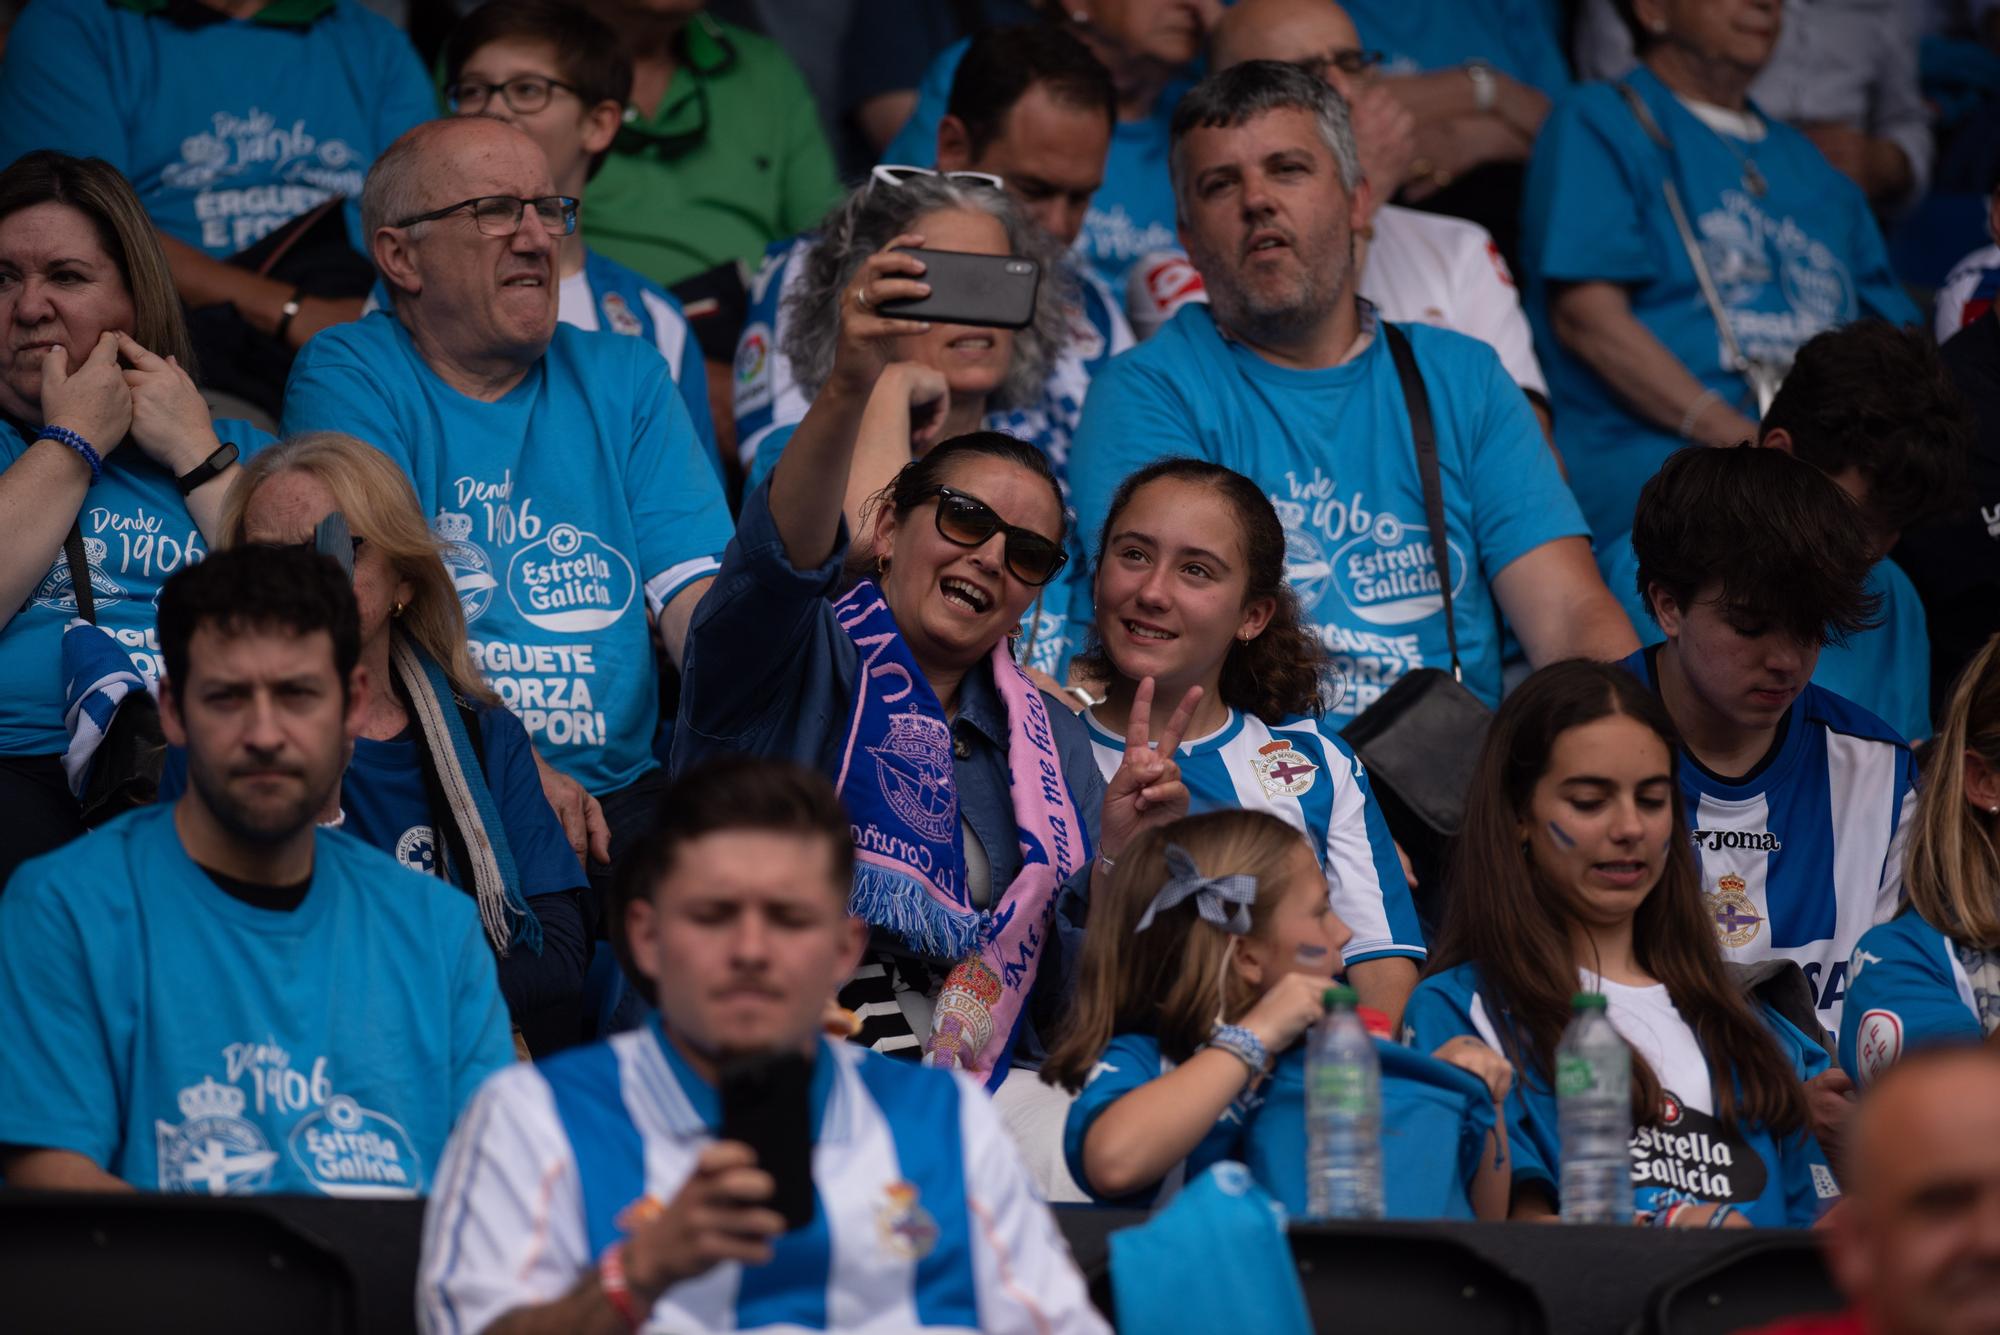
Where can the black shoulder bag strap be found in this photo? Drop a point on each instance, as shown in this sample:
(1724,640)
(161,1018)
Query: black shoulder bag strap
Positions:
(79,574)
(1417,401)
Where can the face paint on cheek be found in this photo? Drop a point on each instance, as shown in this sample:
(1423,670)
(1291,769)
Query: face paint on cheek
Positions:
(1312,955)
(1561,836)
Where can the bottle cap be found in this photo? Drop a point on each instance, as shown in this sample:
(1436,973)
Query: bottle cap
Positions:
(1587,1001)
(1339,996)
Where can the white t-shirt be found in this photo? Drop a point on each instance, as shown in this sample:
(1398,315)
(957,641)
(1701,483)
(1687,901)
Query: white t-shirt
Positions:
(1647,1018)
(1425,268)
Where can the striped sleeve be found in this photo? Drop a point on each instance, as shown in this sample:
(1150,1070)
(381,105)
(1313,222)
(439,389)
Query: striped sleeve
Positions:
(504,1225)
(1027,1279)
(1363,874)
(1903,800)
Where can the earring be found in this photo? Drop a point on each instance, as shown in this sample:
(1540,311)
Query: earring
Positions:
(881,565)
(397,610)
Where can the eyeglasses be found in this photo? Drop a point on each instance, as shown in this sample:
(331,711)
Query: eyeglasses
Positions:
(500,215)
(524,95)
(1347,60)
(896,174)
(967,521)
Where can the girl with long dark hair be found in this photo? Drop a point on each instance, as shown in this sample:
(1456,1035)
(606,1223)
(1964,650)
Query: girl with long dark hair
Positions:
(1574,871)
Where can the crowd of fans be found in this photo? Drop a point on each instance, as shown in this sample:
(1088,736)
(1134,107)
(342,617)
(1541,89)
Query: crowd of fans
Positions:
(503,620)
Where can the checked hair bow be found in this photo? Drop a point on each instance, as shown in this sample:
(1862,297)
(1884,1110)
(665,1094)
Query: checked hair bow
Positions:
(1222,900)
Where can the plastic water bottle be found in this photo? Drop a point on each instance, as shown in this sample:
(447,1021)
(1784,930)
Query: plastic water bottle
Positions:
(1594,1110)
(1343,1115)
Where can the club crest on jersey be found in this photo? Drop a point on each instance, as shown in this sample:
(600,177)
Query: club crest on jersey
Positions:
(619,316)
(906,1227)
(1282,771)
(1736,918)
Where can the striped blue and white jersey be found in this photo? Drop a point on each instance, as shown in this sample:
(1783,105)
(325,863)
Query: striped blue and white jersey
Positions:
(924,1219)
(1804,854)
(1301,772)
(769,399)
(604,294)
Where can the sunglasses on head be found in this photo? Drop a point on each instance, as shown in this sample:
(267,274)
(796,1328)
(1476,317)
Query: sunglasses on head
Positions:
(967,521)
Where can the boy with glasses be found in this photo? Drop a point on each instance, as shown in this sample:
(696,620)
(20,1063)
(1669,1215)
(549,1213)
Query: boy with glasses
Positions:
(556,71)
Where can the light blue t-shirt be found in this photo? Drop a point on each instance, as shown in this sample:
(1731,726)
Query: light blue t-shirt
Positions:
(226,130)
(1803,257)
(1887,670)
(1129,1063)
(1332,449)
(1908,988)
(1513,36)
(136,533)
(1132,213)
(189,1042)
(572,510)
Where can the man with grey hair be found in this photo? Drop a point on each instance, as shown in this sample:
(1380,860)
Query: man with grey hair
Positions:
(579,512)
(1288,377)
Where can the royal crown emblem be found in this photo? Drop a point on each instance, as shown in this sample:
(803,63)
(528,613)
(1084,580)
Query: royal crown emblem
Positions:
(913,765)
(453,526)
(209,1099)
(905,1226)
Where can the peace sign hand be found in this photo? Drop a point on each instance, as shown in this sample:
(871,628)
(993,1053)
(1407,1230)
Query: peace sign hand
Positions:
(1147,790)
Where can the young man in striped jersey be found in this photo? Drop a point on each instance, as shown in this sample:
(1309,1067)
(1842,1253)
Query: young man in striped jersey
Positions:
(1799,799)
(591,1194)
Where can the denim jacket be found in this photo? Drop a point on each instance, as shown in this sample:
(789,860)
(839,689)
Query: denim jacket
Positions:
(768,670)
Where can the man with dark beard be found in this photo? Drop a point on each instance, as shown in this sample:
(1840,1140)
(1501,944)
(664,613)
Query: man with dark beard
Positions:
(215,997)
(1288,377)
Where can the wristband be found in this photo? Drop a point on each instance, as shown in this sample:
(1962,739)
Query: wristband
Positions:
(611,1282)
(1694,412)
(207,469)
(1721,1215)
(62,435)
(1665,1218)
(287,312)
(1241,1044)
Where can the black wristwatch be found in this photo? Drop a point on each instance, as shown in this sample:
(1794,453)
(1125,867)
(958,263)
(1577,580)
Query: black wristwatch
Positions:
(206,469)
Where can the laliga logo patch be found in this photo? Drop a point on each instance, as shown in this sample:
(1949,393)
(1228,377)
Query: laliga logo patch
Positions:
(471,569)
(1736,917)
(570,581)
(215,1151)
(906,1228)
(752,369)
(1877,1043)
(1282,771)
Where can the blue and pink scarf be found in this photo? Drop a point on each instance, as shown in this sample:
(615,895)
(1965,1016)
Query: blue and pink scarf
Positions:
(909,877)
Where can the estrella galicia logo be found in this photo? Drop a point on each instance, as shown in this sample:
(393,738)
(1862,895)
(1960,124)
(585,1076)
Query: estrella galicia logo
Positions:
(571,581)
(348,1150)
(1388,576)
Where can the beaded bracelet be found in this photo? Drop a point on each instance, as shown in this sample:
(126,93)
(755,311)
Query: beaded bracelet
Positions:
(1241,1044)
(62,435)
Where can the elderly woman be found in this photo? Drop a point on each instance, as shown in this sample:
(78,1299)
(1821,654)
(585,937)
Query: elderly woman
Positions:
(1644,349)
(948,380)
(442,777)
(980,817)
(114,473)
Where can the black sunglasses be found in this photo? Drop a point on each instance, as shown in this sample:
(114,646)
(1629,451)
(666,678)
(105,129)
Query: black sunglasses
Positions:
(967,521)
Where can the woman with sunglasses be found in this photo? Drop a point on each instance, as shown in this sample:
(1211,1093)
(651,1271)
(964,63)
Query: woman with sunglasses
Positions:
(980,817)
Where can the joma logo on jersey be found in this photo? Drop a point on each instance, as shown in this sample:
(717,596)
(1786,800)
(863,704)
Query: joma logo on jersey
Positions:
(1762,841)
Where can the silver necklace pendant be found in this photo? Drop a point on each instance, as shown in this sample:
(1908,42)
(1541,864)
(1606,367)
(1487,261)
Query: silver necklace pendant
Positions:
(1753,180)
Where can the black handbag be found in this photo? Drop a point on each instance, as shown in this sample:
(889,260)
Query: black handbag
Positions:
(310,253)
(125,771)
(1421,739)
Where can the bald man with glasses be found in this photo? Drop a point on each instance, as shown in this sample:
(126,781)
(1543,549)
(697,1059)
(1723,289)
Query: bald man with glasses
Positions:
(579,512)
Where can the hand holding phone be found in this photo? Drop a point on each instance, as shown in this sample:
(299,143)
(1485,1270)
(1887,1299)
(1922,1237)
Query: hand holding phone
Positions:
(767,1105)
(718,1215)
